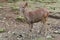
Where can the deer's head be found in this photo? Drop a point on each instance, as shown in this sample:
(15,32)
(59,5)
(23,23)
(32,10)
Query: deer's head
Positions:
(23,6)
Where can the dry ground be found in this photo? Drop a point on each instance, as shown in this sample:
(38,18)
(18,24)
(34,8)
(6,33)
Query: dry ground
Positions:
(16,30)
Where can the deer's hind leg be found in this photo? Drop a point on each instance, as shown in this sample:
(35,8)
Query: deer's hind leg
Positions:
(43,29)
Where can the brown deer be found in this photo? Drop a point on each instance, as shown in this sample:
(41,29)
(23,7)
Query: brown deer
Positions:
(34,16)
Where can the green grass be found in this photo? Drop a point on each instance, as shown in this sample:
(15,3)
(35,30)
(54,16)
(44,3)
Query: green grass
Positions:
(43,38)
(2,30)
(14,8)
(11,1)
(20,18)
(1,4)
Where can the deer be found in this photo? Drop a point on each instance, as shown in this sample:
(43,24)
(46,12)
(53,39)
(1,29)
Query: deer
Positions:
(34,16)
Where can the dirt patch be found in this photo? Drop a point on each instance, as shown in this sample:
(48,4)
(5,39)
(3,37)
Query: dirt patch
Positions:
(16,30)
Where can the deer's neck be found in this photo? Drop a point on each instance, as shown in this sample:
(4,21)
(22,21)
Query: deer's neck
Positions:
(24,13)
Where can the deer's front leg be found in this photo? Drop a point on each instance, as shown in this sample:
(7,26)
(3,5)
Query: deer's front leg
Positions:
(30,26)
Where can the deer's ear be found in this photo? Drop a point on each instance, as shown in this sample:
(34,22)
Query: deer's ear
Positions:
(26,4)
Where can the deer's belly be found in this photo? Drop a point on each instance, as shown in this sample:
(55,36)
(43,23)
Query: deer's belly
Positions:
(34,20)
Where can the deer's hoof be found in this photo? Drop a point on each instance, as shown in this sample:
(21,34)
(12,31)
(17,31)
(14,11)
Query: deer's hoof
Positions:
(30,30)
